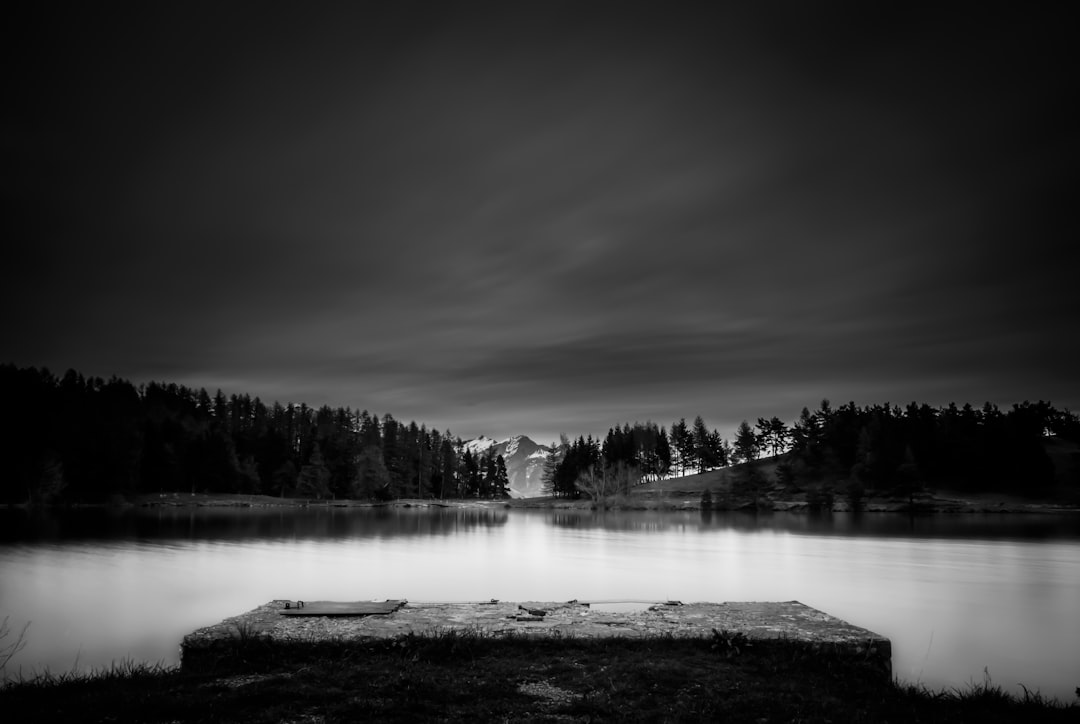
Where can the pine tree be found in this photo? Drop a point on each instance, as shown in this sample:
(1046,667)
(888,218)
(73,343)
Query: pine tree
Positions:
(314,480)
(700,442)
(679,439)
(909,477)
(470,475)
(746,443)
(501,488)
(372,479)
(663,454)
(448,478)
(221,409)
(717,451)
(552,461)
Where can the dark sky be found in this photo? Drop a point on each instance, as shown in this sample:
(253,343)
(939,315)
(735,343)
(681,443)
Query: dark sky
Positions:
(542,217)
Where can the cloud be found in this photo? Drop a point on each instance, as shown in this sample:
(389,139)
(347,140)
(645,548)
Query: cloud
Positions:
(512,220)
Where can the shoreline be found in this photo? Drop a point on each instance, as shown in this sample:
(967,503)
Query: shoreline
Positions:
(667,501)
(691,502)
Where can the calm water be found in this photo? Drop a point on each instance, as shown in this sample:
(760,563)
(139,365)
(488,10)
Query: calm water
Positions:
(956,594)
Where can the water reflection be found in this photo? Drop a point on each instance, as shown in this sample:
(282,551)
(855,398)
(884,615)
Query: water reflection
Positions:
(211,523)
(226,523)
(954,593)
(1047,526)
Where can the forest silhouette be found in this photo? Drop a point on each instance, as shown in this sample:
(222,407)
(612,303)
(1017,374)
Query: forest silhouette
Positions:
(75,439)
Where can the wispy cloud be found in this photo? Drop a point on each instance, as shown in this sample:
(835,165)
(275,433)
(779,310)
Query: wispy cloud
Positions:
(548,218)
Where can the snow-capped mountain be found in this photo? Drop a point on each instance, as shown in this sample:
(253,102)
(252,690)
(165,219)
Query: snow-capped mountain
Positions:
(524,461)
(480,445)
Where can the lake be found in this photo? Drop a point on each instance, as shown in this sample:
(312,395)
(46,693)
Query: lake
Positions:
(958,595)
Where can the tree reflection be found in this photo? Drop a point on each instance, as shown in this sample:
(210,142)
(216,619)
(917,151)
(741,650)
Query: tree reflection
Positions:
(164,524)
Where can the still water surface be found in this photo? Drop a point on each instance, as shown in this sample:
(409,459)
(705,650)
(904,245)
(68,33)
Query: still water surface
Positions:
(958,595)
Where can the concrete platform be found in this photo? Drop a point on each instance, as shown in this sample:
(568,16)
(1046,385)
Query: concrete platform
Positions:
(760,621)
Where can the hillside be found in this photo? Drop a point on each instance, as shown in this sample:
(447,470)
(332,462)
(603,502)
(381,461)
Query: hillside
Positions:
(728,488)
(714,480)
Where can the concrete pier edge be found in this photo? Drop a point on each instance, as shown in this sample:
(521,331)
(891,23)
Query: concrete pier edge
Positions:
(775,623)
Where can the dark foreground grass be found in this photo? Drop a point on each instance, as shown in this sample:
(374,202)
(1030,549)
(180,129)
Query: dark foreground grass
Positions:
(454,677)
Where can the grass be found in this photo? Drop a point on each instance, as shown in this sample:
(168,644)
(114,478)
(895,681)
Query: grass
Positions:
(466,677)
(697,483)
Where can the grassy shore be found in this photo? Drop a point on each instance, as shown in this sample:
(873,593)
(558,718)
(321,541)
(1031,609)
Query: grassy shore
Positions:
(454,677)
(683,493)
(675,494)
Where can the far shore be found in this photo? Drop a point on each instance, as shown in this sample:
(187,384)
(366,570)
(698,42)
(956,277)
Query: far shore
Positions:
(941,503)
(938,503)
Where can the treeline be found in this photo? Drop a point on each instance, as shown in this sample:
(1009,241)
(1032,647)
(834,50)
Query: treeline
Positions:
(632,454)
(79,439)
(82,439)
(889,448)
(879,449)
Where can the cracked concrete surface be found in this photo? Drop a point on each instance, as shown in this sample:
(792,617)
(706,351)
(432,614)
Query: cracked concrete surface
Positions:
(773,621)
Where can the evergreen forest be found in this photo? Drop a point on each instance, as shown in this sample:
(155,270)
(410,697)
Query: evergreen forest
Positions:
(74,439)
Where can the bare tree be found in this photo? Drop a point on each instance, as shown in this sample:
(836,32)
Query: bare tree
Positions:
(616,479)
(8,650)
(592,483)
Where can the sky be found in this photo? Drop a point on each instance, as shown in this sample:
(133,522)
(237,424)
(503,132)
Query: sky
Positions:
(543,217)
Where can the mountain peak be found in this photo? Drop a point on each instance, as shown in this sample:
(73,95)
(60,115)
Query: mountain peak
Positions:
(524,461)
(480,445)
